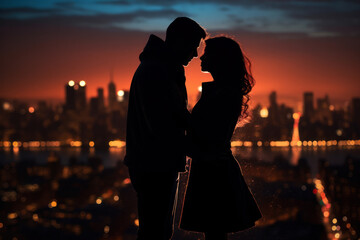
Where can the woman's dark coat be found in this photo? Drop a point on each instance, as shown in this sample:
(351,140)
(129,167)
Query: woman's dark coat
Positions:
(217,197)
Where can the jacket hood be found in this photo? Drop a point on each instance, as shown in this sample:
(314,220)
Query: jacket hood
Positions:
(154,49)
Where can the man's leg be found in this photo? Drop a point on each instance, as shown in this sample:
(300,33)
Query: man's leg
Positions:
(155,192)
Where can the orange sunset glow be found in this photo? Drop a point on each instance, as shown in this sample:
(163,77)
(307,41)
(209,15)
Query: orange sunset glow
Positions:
(42,53)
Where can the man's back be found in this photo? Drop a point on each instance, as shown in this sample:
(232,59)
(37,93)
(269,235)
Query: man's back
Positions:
(157,105)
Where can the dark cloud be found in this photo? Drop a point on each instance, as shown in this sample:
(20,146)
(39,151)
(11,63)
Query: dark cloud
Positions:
(115,2)
(323,17)
(101,20)
(10,12)
(332,17)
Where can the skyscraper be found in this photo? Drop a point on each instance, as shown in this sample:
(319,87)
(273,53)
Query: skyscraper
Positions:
(112,92)
(323,112)
(308,109)
(81,95)
(273,109)
(101,102)
(75,95)
(70,95)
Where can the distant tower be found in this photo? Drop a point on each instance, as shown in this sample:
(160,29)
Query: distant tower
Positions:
(112,92)
(94,106)
(70,95)
(323,112)
(101,102)
(81,95)
(296,136)
(308,110)
(273,109)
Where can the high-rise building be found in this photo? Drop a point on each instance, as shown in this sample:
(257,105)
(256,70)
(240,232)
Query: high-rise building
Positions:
(94,106)
(70,97)
(75,95)
(81,95)
(308,109)
(101,102)
(323,112)
(112,92)
(323,103)
(273,109)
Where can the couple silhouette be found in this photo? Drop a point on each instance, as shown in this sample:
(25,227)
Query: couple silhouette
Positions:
(161,132)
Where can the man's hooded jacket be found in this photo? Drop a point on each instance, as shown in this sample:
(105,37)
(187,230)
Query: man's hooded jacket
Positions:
(157,113)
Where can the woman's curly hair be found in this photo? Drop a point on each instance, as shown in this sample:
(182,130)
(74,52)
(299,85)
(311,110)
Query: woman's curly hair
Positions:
(235,67)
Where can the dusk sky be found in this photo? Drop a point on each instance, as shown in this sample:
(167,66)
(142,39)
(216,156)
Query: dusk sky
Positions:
(295,46)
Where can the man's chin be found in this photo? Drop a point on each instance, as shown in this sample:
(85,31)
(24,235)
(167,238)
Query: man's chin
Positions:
(186,63)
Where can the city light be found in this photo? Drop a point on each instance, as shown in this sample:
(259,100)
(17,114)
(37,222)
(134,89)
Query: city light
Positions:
(75,143)
(339,132)
(91,144)
(279,143)
(52,204)
(106,229)
(99,200)
(35,217)
(116,198)
(296,116)
(12,216)
(31,109)
(120,93)
(117,143)
(126,181)
(247,144)
(237,143)
(136,222)
(71,83)
(264,112)
(82,83)
(6,106)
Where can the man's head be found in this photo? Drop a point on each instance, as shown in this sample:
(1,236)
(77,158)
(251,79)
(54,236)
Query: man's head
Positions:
(183,37)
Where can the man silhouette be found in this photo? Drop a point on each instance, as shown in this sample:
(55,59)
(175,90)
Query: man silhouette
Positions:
(157,122)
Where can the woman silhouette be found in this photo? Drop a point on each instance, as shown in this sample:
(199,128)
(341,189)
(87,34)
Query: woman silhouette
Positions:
(217,199)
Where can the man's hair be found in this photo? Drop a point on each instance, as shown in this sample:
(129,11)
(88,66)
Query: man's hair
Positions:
(186,28)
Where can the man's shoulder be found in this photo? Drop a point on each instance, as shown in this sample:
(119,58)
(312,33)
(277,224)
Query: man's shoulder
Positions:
(154,70)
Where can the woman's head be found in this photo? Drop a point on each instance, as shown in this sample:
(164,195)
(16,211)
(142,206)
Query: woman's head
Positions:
(225,60)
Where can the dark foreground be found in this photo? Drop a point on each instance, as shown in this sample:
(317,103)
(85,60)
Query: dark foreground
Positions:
(86,201)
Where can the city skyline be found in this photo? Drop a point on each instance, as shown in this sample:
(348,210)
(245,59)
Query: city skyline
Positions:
(295,102)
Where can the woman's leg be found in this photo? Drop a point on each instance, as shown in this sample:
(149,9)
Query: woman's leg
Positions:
(215,236)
